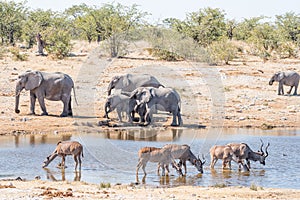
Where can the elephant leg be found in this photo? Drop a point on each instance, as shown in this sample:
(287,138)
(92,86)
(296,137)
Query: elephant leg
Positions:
(280,89)
(174,119)
(70,113)
(42,105)
(32,103)
(289,92)
(295,92)
(66,102)
(147,118)
(179,119)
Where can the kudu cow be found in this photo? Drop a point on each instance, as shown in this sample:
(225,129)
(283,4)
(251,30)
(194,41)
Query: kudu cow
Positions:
(243,151)
(159,155)
(221,152)
(184,153)
(66,148)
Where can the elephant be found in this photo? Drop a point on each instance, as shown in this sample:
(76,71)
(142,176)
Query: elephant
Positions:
(130,82)
(289,78)
(52,86)
(164,99)
(121,103)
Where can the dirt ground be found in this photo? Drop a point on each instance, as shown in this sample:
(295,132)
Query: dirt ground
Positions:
(77,190)
(235,95)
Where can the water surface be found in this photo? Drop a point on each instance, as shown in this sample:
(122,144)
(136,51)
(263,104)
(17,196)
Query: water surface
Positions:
(111,157)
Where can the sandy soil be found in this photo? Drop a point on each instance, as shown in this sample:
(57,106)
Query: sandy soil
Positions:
(236,95)
(78,190)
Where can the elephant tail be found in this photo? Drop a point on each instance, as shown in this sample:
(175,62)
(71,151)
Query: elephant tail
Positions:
(75,96)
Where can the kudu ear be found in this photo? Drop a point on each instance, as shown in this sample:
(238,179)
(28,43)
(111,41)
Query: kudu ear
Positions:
(34,79)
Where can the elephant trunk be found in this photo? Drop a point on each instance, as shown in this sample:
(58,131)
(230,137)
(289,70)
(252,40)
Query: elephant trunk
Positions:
(271,82)
(110,87)
(18,91)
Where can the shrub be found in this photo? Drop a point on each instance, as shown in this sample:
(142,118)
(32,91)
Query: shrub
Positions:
(59,44)
(17,56)
(223,50)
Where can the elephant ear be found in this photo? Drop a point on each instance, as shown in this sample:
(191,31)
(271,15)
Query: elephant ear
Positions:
(280,76)
(147,95)
(34,79)
(126,81)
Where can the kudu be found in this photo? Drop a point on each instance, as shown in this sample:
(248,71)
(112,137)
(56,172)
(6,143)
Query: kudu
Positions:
(66,148)
(184,153)
(221,152)
(162,156)
(243,151)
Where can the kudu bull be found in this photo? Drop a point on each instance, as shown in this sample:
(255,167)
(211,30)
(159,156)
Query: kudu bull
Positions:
(242,151)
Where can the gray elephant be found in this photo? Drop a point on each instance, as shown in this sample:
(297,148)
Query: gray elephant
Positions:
(289,78)
(51,86)
(130,82)
(121,103)
(163,99)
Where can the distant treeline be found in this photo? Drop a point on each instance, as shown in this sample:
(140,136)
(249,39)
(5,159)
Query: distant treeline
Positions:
(203,35)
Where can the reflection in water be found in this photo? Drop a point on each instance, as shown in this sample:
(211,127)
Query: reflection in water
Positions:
(225,173)
(145,134)
(41,139)
(50,175)
(114,160)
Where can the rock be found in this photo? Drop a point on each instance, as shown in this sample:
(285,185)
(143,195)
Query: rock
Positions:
(242,118)
(55,132)
(24,119)
(283,118)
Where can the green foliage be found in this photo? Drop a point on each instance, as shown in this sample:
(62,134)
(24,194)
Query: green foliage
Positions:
(163,54)
(287,50)
(289,26)
(105,185)
(253,187)
(244,29)
(37,21)
(118,21)
(204,27)
(172,45)
(17,56)
(12,16)
(222,50)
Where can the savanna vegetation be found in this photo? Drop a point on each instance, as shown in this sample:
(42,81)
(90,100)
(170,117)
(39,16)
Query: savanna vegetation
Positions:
(206,35)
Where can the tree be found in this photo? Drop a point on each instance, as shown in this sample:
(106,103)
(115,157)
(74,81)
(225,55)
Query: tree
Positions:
(37,22)
(244,29)
(12,16)
(114,24)
(205,26)
(289,26)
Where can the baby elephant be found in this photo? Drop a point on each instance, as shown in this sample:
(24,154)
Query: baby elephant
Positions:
(66,148)
(121,103)
(289,78)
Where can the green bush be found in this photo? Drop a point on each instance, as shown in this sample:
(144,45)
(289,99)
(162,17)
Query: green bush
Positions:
(163,54)
(17,56)
(223,50)
(59,44)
